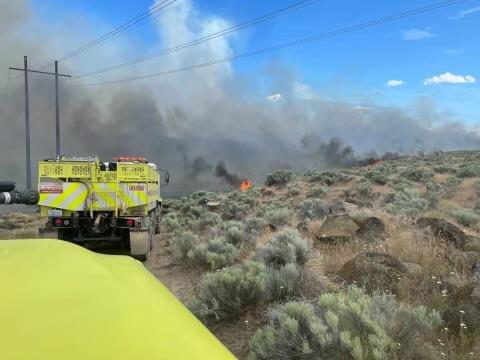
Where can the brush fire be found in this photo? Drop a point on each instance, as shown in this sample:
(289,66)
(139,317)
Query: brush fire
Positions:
(245,185)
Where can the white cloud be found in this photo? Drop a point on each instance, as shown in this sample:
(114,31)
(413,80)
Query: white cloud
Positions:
(275,97)
(453,51)
(467,12)
(394,83)
(449,78)
(362,108)
(417,34)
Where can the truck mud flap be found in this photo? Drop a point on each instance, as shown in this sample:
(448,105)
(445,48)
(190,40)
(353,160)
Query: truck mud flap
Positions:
(139,244)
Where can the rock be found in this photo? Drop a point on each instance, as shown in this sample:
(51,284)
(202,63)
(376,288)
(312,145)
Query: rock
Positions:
(444,230)
(372,229)
(337,228)
(374,271)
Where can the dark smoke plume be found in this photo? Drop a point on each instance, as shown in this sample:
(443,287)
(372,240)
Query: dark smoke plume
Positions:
(222,172)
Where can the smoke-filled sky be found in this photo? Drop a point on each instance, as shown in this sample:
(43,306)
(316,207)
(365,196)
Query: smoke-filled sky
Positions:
(249,118)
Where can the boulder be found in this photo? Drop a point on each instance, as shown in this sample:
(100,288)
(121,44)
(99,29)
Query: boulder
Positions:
(372,229)
(444,230)
(374,271)
(337,228)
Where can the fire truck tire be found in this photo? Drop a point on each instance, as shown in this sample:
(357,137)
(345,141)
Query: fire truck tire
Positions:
(139,245)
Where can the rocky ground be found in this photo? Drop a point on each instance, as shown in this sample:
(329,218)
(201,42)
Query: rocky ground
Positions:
(377,261)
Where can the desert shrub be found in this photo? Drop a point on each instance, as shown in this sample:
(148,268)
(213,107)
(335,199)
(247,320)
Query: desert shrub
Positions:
(195,211)
(444,169)
(377,177)
(6,224)
(234,232)
(407,202)
(312,209)
(217,253)
(283,281)
(349,325)
(365,189)
(254,225)
(293,189)
(465,217)
(226,294)
(171,221)
(327,176)
(279,177)
(278,216)
(210,219)
(359,216)
(417,174)
(285,247)
(317,192)
(183,243)
(450,185)
(468,170)
(433,193)
(233,210)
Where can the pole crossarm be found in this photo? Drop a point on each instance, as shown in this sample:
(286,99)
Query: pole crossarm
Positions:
(40,72)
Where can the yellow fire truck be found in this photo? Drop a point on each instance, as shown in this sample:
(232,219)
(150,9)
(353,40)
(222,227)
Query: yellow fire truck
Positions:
(90,202)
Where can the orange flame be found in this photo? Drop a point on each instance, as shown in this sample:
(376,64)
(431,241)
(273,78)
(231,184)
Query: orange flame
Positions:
(245,185)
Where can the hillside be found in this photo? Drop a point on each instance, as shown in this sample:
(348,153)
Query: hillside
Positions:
(377,261)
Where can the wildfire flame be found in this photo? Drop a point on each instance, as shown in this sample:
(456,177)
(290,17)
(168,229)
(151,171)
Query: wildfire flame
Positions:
(245,185)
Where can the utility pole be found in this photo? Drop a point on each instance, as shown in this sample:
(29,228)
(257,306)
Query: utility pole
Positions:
(57,114)
(27,128)
(26,70)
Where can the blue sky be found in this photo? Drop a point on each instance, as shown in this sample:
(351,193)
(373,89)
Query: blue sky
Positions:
(352,67)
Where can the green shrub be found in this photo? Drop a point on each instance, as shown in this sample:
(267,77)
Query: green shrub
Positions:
(283,281)
(377,177)
(365,189)
(217,253)
(254,226)
(312,209)
(417,174)
(317,192)
(171,221)
(285,247)
(407,202)
(226,294)
(444,169)
(234,210)
(465,217)
(183,243)
(468,170)
(293,189)
(349,325)
(235,232)
(278,216)
(210,219)
(450,185)
(279,177)
(327,176)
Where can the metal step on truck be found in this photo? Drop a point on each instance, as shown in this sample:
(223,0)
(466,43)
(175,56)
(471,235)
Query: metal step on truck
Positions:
(89,202)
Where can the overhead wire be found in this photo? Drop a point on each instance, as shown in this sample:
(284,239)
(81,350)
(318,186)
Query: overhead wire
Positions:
(119,29)
(317,37)
(227,31)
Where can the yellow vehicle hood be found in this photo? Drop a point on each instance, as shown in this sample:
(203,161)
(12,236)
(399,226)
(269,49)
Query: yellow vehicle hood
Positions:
(59,301)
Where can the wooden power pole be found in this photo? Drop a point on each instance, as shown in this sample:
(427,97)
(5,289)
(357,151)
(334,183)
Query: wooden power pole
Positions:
(26,70)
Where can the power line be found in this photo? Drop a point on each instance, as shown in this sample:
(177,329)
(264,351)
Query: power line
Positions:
(240,26)
(333,33)
(119,29)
